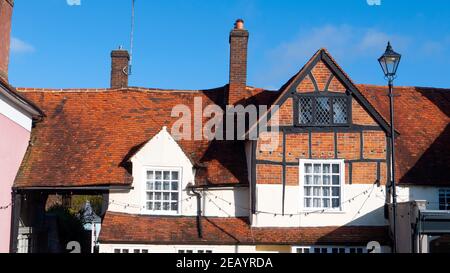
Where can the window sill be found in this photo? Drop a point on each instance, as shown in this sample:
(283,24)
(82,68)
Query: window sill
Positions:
(160,213)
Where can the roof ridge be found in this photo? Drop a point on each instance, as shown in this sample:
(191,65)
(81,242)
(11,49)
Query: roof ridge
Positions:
(404,86)
(98,90)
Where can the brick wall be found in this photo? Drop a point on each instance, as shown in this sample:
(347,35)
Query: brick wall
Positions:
(363,148)
(286,115)
(306,85)
(336,86)
(322,145)
(321,74)
(360,116)
(349,145)
(374,145)
(297,146)
(268,174)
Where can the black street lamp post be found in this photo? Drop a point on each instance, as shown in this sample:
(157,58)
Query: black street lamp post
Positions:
(389,63)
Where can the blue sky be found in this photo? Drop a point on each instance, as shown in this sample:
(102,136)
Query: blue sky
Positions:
(183,44)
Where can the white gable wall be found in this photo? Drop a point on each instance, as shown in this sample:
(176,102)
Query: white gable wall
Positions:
(162,151)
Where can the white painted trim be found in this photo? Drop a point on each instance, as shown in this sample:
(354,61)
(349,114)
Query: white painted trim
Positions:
(16,115)
(329,248)
(341,163)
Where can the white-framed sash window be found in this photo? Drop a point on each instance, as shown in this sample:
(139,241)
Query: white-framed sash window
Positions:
(162,191)
(321,184)
(329,249)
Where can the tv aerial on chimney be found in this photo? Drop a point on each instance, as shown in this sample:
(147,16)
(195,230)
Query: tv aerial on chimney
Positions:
(130,64)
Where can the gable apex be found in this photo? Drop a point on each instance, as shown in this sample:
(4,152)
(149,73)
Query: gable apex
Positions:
(161,150)
(337,73)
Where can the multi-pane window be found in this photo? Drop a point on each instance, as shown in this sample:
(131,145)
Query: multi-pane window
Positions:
(322,184)
(329,249)
(444,199)
(162,191)
(126,250)
(200,251)
(323,110)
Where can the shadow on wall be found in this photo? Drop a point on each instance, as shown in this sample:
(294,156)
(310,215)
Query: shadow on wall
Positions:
(433,166)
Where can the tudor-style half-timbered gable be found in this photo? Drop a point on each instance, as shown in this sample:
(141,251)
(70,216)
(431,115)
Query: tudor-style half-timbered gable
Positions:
(330,165)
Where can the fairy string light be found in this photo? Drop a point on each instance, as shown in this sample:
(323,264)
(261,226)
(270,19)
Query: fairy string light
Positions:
(321,211)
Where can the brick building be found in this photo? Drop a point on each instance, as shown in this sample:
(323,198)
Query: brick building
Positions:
(322,187)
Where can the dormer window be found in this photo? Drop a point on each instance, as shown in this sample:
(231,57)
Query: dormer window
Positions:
(332,109)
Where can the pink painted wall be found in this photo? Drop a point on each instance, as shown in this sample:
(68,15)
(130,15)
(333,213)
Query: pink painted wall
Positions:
(13,145)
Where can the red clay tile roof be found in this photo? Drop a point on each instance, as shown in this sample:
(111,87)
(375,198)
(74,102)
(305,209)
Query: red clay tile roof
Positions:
(127,228)
(89,134)
(422,117)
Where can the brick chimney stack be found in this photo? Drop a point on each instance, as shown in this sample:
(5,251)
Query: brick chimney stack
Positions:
(6,9)
(238,63)
(119,68)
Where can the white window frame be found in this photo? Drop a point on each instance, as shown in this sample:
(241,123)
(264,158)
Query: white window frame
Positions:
(144,190)
(195,250)
(310,249)
(133,250)
(446,196)
(341,163)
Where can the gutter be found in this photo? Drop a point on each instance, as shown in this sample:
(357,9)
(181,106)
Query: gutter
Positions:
(75,188)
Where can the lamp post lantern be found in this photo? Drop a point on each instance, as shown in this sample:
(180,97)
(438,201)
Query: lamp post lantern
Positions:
(389,63)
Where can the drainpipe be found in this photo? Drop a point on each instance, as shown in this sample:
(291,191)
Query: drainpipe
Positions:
(199,209)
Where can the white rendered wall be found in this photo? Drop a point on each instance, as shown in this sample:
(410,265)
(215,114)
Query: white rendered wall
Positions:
(371,208)
(109,248)
(420,193)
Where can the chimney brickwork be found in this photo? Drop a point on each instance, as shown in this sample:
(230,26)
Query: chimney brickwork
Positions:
(238,63)
(6,10)
(119,68)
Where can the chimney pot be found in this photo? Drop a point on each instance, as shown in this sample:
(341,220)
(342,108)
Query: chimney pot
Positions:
(239,24)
